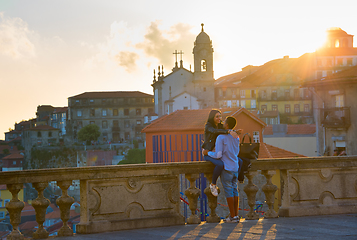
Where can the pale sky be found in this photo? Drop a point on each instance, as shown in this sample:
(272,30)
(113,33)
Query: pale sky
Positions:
(53,49)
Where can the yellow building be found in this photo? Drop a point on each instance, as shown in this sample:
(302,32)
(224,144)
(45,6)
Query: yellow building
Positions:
(272,89)
(5,197)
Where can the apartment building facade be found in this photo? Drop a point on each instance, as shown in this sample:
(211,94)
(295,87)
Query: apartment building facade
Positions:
(120,115)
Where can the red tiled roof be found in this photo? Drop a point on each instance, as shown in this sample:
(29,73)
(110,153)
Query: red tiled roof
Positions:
(12,149)
(301,129)
(268,130)
(117,94)
(185,120)
(14,156)
(60,109)
(57,214)
(15,139)
(269,151)
(28,225)
(13,131)
(42,127)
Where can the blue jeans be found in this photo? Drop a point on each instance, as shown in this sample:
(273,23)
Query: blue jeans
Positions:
(217,170)
(230,183)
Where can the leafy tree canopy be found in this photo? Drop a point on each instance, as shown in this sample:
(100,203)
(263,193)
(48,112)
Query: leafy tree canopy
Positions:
(134,156)
(89,133)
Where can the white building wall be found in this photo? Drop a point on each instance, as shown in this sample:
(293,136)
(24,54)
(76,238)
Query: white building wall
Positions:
(185,100)
(301,145)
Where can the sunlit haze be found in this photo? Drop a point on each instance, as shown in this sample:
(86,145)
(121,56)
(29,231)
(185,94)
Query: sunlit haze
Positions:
(51,50)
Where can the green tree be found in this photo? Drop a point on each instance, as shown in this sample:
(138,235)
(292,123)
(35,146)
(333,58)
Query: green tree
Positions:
(134,156)
(89,133)
(6,151)
(136,143)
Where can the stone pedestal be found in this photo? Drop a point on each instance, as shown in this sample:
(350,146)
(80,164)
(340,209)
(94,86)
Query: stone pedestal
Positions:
(269,190)
(15,207)
(192,194)
(251,190)
(65,202)
(40,205)
(212,202)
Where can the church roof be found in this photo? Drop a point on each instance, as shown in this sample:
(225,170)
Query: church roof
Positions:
(203,37)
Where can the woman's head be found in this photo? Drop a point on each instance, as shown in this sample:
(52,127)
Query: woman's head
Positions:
(214,117)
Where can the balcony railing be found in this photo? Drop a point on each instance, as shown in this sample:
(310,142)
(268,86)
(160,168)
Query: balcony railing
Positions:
(336,117)
(147,195)
(283,98)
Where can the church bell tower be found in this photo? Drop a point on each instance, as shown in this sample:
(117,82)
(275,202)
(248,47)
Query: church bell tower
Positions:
(203,79)
(203,57)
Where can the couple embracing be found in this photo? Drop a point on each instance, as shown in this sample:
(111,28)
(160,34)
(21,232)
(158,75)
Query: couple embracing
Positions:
(221,147)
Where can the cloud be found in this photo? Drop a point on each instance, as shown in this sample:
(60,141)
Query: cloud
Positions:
(162,43)
(15,38)
(127,60)
(131,48)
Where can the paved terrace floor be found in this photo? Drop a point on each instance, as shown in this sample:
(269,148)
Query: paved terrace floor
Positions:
(313,227)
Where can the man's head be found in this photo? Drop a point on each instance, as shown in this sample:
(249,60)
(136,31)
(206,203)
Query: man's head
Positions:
(229,122)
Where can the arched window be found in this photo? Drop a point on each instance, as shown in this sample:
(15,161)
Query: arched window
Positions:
(203,65)
(337,43)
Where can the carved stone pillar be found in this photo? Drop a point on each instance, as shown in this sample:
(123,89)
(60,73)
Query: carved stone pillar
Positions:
(40,205)
(269,190)
(251,190)
(65,202)
(192,194)
(285,201)
(212,202)
(15,207)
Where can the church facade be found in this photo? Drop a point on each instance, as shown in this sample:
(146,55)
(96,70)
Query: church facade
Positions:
(184,89)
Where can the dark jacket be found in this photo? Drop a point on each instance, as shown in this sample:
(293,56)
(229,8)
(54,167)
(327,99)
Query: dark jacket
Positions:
(211,133)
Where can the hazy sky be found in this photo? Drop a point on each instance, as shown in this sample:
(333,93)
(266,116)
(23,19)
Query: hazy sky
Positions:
(53,49)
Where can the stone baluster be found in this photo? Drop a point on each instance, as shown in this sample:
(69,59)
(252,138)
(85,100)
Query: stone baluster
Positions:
(14,208)
(212,201)
(251,190)
(65,202)
(40,205)
(269,190)
(192,194)
(285,199)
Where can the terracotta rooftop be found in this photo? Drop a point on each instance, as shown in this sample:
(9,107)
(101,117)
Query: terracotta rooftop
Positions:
(60,109)
(118,94)
(12,149)
(186,120)
(270,73)
(13,156)
(269,151)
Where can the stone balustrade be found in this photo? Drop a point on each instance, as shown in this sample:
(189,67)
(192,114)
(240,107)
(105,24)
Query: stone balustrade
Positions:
(147,195)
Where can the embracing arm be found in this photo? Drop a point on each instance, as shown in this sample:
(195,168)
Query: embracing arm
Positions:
(219,149)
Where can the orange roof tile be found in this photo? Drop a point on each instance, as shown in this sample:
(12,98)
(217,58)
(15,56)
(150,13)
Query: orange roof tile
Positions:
(186,120)
(268,130)
(28,225)
(13,156)
(269,151)
(117,94)
(301,129)
(60,109)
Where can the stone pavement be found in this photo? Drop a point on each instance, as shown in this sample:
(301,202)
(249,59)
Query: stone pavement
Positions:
(313,227)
